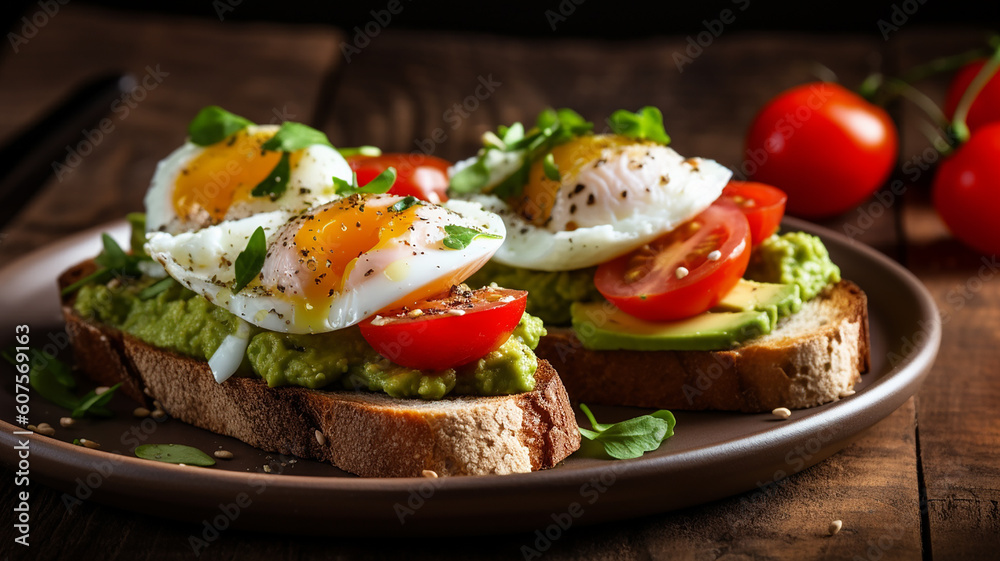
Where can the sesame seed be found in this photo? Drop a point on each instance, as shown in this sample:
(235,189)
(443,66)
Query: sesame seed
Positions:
(782,413)
(223,454)
(158,414)
(100,390)
(320,437)
(681,272)
(90,444)
(715,255)
(429,473)
(835,527)
(416,313)
(456,312)
(32,428)
(140,412)
(847,393)
(157,404)
(67,422)
(46,429)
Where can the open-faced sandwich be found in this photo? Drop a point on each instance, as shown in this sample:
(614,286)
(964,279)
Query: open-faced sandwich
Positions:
(271,298)
(669,282)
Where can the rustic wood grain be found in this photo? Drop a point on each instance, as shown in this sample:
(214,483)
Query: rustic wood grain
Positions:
(395,93)
(263,72)
(956,410)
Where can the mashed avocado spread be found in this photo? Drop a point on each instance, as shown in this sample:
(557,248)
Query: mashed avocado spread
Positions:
(550,294)
(794,258)
(179,320)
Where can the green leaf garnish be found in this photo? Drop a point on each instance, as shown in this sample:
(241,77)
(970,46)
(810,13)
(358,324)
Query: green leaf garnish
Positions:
(550,168)
(53,380)
(552,128)
(95,404)
(647,124)
(471,179)
(633,437)
(381,184)
(459,237)
(214,124)
(250,261)
(157,287)
(370,151)
(276,182)
(113,261)
(295,136)
(174,454)
(137,239)
(405,203)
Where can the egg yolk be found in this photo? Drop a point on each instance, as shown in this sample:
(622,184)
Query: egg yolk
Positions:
(536,201)
(225,173)
(330,242)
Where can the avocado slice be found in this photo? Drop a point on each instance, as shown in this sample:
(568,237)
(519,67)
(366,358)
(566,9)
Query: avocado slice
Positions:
(749,310)
(778,300)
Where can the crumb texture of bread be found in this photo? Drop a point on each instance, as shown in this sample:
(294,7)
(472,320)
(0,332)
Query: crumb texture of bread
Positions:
(813,357)
(365,433)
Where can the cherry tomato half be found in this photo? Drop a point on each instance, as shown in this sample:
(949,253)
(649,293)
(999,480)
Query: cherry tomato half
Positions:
(763,206)
(826,147)
(679,275)
(986,107)
(450,330)
(424,177)
(967,190)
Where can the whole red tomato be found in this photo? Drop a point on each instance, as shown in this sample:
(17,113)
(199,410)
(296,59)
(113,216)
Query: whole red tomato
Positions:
(967,190)
(424,177)
(986,108)
(825,146)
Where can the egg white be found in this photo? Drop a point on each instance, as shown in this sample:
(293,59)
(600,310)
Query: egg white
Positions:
(631,197)
(203,261)
(309,185)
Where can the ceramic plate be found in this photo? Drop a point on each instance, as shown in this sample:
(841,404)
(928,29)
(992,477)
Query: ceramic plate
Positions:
(712,455)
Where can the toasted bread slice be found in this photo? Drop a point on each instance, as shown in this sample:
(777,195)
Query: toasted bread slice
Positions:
(812,357)
(365,433)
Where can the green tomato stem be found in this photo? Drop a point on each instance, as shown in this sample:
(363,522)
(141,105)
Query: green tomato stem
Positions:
(958,124)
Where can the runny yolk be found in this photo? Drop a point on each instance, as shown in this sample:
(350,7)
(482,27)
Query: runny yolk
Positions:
(539,195)
(329,242)
(225,173)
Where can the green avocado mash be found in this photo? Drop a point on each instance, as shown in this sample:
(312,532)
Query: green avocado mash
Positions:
(550,294)
(794,258)
(179,320)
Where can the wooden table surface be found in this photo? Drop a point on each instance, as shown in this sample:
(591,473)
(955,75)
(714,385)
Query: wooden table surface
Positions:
(923,483)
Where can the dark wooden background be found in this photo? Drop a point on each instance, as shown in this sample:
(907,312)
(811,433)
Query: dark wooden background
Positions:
(923,483)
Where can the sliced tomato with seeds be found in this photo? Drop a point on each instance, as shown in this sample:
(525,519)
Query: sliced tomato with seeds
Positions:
(422,176)
(446,331)
(763,205)
(682,273)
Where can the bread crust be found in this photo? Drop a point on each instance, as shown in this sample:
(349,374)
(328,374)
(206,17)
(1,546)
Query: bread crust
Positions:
(814,357)
(366,433)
